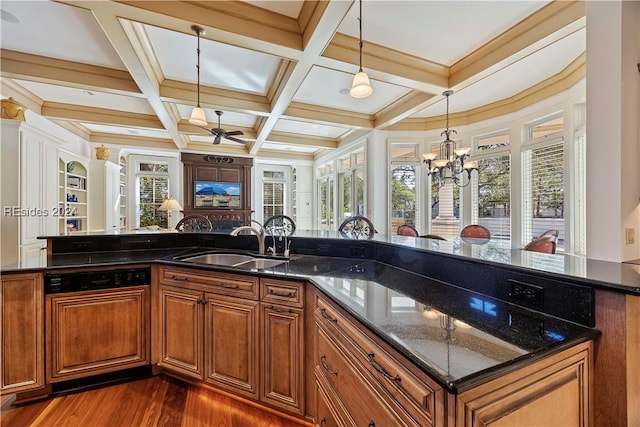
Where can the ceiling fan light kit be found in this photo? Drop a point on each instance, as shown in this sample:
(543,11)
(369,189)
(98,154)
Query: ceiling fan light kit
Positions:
(361,87)
(198,116)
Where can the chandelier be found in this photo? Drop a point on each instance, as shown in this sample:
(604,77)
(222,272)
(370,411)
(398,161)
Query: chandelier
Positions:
(449,163)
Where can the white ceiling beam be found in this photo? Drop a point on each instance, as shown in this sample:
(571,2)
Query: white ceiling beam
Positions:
(317,37)
(105,15)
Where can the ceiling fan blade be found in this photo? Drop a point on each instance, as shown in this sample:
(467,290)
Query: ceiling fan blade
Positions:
(230,138)
(217,139)
(235,132)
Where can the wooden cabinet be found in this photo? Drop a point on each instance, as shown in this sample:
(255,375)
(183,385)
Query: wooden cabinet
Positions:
(282,347)
(96,332)
(21,313)
(210,326)
(365,379)
(238,333)
(182,330)
(360,381)
(553,391)
(231,344)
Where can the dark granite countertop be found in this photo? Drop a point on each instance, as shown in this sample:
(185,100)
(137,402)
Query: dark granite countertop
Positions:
(623,277)
(459,337)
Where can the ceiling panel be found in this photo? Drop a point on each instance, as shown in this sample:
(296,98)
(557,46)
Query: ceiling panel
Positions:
(306,128)
(290,8)
(287,147)
(443,31)
(126,131)
(330,88)
(77,96)
(221,66)
(516,78)
(58,31)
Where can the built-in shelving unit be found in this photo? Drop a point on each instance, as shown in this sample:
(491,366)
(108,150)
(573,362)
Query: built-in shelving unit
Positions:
(123,193)
(72,196)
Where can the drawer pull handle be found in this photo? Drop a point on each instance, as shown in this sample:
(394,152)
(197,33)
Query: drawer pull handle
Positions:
(323,422)
(282,294)
(326,316)
(380,369)
(372,424)
(174,277)
(281,310)
(230,286)
(326,367)
(202,301)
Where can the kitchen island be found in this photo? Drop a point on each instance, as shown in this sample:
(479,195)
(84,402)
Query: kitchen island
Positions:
(391,286)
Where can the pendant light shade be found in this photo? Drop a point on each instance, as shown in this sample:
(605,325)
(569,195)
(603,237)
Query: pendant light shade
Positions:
(361,87)
(198,116)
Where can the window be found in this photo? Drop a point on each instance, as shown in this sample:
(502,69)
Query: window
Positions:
(273,193)
(543,180)
(351,186)
(326,214)
(491,188)
(152,187)
(403,196)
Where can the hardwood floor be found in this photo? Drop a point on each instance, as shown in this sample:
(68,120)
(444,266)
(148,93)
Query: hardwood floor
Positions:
(155,401)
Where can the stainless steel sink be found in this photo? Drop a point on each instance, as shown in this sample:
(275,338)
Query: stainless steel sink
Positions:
(234,260)
(260,263)
(220,259)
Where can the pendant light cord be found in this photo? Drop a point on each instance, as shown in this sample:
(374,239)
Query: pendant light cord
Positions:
(198,31)
(360,25)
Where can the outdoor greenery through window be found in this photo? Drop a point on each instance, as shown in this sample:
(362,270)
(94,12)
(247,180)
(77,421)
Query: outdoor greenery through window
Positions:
(491,188)
(152,188)
(351,181)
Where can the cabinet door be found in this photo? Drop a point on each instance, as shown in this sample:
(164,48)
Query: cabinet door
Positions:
(33,255)
(282,357)
(96,332)
(181,317)
(22,329)
(231,344)
(31,179)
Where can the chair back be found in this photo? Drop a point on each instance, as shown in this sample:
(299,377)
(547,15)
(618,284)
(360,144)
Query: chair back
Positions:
(407,230)
(475,231)
(553,233)
(279,225)
(194,223)
(357,227)
(546,244)
(432,236)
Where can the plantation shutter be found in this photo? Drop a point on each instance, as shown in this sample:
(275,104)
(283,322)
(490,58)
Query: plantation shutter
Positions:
(543,191)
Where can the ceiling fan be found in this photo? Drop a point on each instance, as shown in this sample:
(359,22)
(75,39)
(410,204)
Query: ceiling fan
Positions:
(220,133)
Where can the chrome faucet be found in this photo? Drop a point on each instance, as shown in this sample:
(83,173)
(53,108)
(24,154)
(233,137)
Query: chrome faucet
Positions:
(260,234)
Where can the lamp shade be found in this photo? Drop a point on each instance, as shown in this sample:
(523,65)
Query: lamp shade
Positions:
(360,88)
(198,117)
(170,205)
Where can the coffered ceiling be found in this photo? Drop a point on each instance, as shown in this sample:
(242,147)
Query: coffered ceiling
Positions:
(124,73)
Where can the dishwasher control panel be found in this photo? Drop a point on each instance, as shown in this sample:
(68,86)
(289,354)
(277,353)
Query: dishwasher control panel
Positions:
(90,280)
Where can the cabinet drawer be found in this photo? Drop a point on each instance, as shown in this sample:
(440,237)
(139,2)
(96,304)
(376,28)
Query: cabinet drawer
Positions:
(282,292)
(418,396)
(361,399)
(208,281)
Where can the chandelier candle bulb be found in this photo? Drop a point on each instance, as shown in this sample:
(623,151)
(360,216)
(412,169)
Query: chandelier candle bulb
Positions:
(460,152)
(430,156)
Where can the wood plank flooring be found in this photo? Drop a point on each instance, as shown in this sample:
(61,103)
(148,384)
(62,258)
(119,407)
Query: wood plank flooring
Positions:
(155,401)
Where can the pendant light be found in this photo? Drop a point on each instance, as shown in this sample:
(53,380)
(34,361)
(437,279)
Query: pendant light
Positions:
(198,117)
(360,88)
